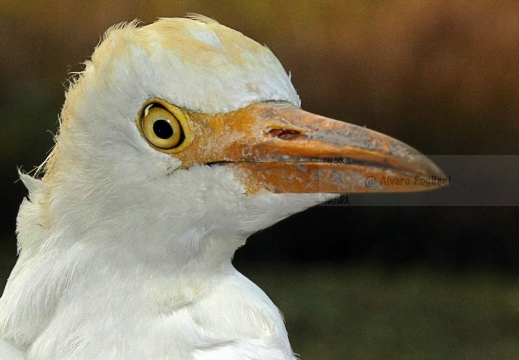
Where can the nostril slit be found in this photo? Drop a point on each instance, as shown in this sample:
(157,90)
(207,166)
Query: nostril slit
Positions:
(284,134)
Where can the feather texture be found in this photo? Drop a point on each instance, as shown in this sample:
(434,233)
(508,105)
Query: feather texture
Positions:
(123,255)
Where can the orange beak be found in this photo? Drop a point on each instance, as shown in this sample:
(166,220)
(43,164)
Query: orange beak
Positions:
(282,149)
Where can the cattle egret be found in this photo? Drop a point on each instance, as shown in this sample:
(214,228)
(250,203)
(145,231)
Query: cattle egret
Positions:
(177,141)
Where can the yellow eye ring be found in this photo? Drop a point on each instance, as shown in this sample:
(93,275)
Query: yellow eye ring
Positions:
(165,126)
(161,127)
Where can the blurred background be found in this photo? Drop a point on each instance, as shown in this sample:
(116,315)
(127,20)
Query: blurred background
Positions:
(354,282)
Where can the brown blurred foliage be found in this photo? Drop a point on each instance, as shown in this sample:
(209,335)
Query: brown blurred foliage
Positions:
(442,75)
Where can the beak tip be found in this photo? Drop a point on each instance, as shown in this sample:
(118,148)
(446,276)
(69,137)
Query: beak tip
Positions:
(430,176)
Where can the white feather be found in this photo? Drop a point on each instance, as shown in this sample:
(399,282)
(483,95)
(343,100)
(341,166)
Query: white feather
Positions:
(122,254)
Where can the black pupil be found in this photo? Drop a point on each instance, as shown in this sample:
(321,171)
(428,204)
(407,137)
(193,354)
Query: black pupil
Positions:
(162,129)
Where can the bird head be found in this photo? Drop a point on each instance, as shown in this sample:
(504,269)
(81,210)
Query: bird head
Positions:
(183,137)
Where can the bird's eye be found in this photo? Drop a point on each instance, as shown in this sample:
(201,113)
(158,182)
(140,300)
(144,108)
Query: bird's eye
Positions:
(161,127)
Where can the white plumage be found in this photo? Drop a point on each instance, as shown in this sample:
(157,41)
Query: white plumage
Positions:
(125,247)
